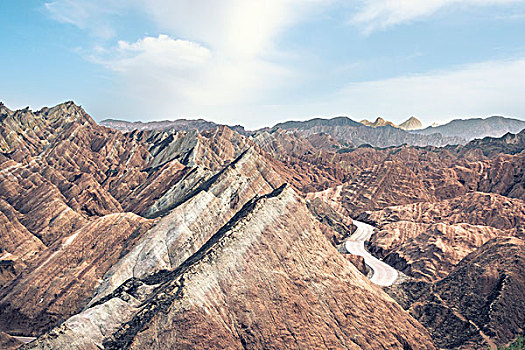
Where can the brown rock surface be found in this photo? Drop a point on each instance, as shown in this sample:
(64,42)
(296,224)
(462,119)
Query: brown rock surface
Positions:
(474,208)
(426,240)
(61,279)
(428,251)
(66,204)
(340,225)
(267,279)
(480,302)
(68,178)
(8,342)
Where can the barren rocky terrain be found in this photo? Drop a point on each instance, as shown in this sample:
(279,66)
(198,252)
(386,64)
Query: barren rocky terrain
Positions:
(208,238)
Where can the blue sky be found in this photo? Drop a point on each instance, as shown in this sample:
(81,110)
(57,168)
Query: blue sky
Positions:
(260,62)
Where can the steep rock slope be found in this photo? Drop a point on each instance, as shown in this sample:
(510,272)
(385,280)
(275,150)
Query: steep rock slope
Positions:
(490,146)
(191,224)
(267,279)
(63,277)
(480,302)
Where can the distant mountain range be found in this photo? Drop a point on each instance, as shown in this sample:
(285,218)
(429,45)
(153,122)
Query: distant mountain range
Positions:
(164,125)
(508,143)
(352,134)
(476,128)
(380,133)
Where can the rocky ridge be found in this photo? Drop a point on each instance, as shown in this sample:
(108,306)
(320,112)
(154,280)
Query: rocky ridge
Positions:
(267,249)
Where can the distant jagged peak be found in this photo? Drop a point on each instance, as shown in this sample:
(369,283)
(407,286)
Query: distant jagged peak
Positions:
(380,121)
(411,123)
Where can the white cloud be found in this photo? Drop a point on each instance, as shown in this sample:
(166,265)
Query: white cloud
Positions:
(179,76)
(161,52)
(380,14)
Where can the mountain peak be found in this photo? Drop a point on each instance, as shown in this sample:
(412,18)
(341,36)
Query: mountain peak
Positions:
(411,123)
(378,122)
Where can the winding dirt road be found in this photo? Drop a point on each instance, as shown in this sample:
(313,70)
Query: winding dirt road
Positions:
(384,275)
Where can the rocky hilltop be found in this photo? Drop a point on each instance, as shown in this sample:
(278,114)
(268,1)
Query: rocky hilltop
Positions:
(378,122)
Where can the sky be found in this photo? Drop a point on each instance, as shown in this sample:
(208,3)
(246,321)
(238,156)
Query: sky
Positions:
(257,63)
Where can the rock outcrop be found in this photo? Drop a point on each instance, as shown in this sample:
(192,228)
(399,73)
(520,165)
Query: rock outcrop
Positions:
(411,123)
